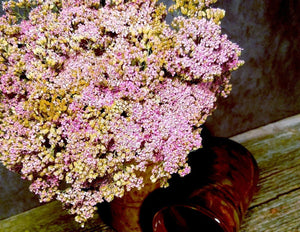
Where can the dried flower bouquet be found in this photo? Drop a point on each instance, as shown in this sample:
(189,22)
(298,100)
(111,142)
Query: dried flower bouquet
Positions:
(95,92)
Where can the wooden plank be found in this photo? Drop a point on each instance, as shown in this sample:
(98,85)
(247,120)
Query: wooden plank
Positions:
(276,147)
(49,218)
(267,130)
(275,207)
(278,215)
(278,158)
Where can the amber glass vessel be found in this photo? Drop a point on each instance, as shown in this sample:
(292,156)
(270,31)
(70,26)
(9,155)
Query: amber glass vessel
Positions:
(217,193)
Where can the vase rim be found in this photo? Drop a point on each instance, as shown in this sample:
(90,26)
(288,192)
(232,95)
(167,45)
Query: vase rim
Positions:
(200,209)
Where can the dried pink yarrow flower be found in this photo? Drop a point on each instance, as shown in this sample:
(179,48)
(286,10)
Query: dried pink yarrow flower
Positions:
(94,93)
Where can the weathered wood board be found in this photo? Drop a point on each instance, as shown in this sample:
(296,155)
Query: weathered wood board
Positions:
(49,218)
(276,147)
(275,208)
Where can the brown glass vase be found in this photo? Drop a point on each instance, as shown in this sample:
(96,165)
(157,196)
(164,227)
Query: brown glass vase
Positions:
(217,193)
(125,211)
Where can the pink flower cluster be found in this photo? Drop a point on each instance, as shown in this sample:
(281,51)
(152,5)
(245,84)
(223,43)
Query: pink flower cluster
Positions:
(95,93)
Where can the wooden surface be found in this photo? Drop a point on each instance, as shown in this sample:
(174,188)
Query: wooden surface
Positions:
(275,208)
(276,148)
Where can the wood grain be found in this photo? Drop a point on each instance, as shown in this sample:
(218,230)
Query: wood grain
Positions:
(280,214)
(276,147)
(275,207)
(49,218)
